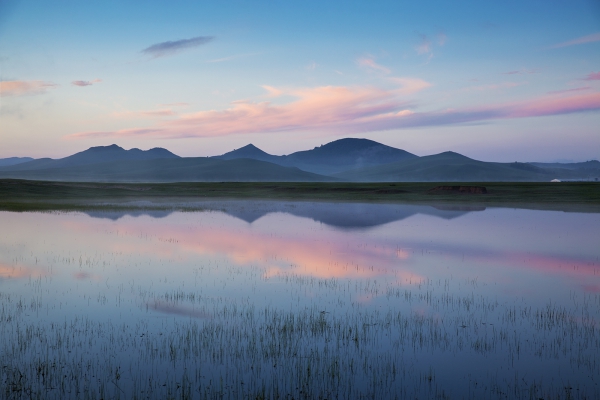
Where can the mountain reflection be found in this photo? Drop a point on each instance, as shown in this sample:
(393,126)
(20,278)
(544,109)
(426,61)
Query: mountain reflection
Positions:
(403,244)
(397,244)
(340,215)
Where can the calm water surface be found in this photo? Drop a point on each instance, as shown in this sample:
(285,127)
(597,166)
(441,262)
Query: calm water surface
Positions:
(300,300)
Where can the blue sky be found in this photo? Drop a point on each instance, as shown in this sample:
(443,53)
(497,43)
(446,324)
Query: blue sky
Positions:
(499,81)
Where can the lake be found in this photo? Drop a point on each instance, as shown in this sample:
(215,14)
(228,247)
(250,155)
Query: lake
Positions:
(265,299)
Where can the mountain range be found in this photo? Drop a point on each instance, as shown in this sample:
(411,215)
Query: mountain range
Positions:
(349,159)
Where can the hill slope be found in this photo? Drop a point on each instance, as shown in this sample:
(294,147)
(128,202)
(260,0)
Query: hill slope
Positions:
(450,166)
(5,162)
(333,157)
(200,169)
(93,155)
(252,152)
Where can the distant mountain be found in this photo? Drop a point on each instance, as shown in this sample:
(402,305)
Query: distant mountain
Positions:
(4,162)
(250,151)
(192,169)
(346,154)
(94,155)
(450,166)
(592,165)
(331,158)
(349,159)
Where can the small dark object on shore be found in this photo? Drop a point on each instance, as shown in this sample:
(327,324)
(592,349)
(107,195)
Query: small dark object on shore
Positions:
(459,189)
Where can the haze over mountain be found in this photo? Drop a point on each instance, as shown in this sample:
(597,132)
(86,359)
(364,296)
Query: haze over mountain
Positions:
(331,158)
(347,159)
(14,161)
(190,169)
(450,166)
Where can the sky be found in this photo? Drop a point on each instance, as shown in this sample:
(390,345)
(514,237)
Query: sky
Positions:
(495,81)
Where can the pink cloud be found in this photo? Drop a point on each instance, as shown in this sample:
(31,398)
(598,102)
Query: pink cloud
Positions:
(594,76)
(180,104)
(370,63)
(347,110)
(86,83)
(166,112)
(555,106)
(595,37)
(119,133)
(19,88)
(410,85)
(158,113)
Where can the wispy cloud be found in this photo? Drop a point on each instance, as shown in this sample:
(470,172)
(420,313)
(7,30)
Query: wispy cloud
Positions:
(492,86)
(180,104)
(157,113)
(86,83)
(229,58)
(118,133)
(521,72)
(20,88)
(579,89)
(170,48)
(369,63)
(424,46)
(273,92)
(346,110)
(167,112)
(409,85)
(595,37)
(594,76)
(441,38)
(311,66)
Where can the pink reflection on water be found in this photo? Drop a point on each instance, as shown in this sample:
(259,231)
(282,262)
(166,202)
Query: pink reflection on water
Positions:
(20,271)
(560,265)
(283,244)
(327,254)
(82,276)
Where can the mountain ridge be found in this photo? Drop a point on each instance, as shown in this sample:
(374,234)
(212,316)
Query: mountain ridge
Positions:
(348,159)
(333,157)
(95,155)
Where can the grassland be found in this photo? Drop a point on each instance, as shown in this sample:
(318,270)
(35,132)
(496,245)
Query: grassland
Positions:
(23,195)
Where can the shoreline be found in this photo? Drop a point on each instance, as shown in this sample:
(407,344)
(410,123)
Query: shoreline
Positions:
(22,195)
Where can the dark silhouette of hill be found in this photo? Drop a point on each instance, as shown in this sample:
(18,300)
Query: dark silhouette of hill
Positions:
(350,159)
(583,170)
(592,164)
(199,169)
(94,155)
(450,166)
(331,158)
(5,162)
(250,151)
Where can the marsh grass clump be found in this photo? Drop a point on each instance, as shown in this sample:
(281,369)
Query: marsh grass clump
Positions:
(242,351)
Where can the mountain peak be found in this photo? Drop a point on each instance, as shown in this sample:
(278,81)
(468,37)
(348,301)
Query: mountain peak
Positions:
(452,154)
(350,144)
(248,151)
(103,148)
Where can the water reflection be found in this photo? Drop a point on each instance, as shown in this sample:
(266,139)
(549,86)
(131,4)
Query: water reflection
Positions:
(340,215)
(376,299)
